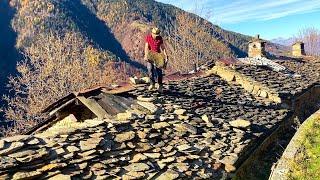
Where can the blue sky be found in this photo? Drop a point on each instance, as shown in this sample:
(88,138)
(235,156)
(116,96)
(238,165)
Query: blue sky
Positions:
(269,18)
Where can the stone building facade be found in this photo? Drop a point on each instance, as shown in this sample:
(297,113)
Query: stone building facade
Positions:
(257,48)
(298,49)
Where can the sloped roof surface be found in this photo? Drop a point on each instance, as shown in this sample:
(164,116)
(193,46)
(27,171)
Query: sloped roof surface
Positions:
(201,127)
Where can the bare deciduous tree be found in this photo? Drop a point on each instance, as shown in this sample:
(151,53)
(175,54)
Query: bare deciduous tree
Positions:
(54,67)
(311,38)
(191,42)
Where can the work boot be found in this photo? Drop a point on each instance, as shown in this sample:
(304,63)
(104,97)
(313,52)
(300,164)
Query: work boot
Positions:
(151,87)
(160,88)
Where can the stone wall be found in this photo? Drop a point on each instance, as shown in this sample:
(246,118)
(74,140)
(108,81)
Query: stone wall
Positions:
(257,49)
(302,107)
(298,50)
(282,168)
(249,84)
(306,103)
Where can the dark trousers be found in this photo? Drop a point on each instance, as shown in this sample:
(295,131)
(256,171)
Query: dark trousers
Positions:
(154,72)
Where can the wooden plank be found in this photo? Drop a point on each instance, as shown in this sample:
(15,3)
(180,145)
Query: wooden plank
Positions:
(109,108)
(122,89)
(114,106)
(61,107)
(94,107)
(124,102)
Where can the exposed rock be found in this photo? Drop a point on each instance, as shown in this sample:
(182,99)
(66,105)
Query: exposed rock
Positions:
(125,116)
(17,138)
(22,153)
(183,147)
(26,175)
(126,136)
(51,167)
(61,177)
(205,118)
(146,99)
(138,157)
(166,117)
(153,109)
(7,162)
(153,155)
(229,159)
(86,153)
(34,141)
(4,176)
(89,144)
(133,175)
(11,147)
(164,162)
(180,111)
(2,144)
(240,123)
(168,175)
(137,167)
(151,117)
(160,125)
(229,168)
(59,151)
(143,147)
(181,167)
(73,149)
(183,118)
(83,165)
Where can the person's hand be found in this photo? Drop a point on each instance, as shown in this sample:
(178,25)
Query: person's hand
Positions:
(145,58)
(166,63)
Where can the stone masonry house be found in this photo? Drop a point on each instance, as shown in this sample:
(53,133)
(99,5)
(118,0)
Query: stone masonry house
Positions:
(298,49)
(257,47)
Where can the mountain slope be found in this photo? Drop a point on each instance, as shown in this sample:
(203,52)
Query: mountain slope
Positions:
(9,56)
(130,20)
(119,27)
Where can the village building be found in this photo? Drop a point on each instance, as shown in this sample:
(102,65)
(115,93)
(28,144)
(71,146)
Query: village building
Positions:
(298,49)
(257,48)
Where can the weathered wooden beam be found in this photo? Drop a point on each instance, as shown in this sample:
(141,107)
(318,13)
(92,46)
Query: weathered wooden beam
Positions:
(93,106)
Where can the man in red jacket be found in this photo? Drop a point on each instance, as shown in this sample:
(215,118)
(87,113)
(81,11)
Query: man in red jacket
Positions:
(156,57)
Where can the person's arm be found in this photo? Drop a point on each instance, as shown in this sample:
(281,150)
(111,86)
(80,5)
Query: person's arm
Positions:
(146,51)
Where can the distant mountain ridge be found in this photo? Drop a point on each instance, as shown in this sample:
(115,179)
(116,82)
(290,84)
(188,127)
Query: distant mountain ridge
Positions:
(284,41)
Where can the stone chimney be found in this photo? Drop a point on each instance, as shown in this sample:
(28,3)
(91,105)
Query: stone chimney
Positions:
(257,47)
(298,49)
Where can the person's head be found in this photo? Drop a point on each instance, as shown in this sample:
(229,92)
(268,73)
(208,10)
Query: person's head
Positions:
(155,32)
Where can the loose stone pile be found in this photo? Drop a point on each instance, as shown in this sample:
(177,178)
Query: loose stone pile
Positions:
(262,61)
(199,128)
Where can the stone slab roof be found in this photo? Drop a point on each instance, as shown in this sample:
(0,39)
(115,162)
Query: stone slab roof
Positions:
(202,127)
(305,74)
